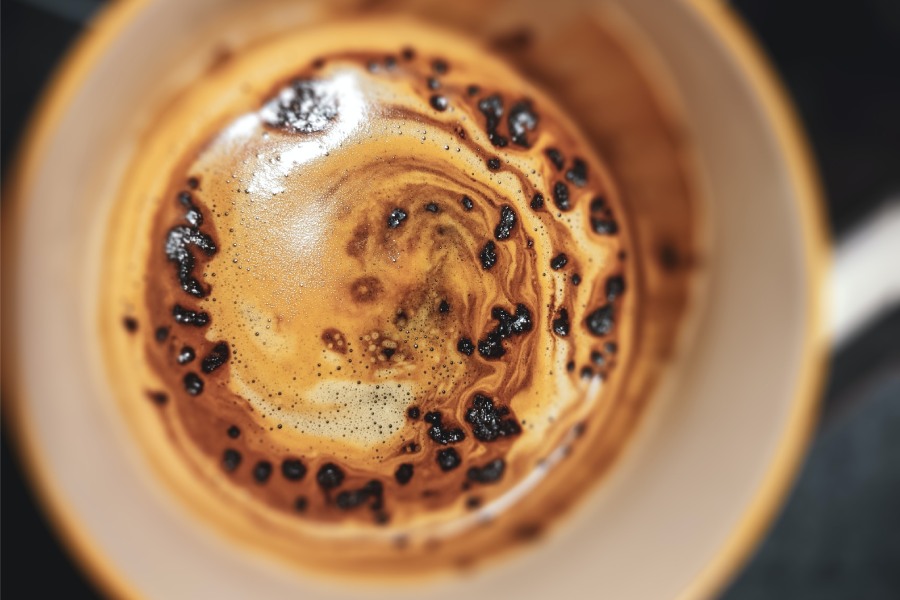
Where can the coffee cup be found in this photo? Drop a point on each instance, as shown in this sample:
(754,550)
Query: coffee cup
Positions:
(716,446)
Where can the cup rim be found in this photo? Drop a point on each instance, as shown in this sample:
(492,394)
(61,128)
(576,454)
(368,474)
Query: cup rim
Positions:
(742,48)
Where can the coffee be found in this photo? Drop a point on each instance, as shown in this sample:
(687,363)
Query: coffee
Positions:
(378,298)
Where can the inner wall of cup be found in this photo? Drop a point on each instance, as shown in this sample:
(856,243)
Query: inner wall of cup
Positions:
(672,485)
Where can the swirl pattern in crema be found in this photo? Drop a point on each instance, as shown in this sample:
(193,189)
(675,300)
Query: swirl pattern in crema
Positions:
(378,288)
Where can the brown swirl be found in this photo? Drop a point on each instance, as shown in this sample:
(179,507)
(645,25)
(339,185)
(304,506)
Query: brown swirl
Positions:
(382,292)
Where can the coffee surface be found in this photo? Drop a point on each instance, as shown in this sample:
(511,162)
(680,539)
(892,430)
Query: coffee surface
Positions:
(379,291)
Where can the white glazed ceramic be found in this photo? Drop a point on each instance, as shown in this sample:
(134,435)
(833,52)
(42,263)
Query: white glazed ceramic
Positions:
(681,510)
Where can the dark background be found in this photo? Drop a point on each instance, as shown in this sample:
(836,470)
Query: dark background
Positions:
(839,535)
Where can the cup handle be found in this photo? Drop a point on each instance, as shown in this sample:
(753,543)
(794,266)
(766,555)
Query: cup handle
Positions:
(865,280)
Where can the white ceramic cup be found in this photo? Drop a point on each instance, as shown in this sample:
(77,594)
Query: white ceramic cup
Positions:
(684,506)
